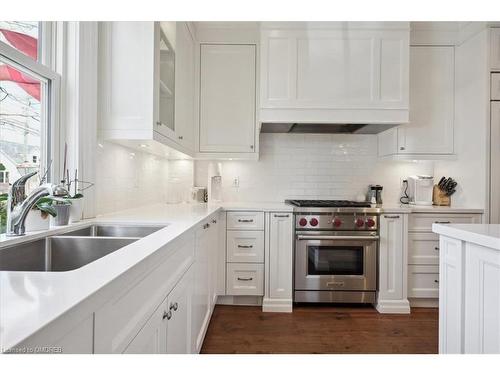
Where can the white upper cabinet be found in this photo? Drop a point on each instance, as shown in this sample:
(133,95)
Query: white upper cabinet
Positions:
(227,98)
(184,85)
(432,106)
(495,49)
(353,72)
(147,85)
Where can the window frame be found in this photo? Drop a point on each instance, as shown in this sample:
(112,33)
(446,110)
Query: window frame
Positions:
(50,110)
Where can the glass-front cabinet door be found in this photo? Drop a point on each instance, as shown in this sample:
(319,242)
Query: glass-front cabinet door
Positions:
(166,84)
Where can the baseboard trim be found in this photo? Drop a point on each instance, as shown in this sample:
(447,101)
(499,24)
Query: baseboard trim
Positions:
(424,302)
(277,305)
(240,300)
(401,306)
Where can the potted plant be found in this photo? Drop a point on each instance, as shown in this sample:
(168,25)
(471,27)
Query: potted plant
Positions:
(39,216)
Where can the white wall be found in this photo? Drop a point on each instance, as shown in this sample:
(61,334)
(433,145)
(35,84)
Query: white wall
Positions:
(313,166)
(471,124)
(126,178)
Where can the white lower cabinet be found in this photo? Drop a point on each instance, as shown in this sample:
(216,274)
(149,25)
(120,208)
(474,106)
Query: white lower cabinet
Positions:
(168,329)
(152,338)
(178,315)
(424,252)
(423,281)
(392,294)
(245,279)
(451,296)
(204,280)
(280,266)
(167,308)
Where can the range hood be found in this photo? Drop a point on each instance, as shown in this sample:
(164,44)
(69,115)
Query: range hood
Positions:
(302,128)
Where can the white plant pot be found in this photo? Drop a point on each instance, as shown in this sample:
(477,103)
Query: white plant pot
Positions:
(76,210)
(35,221)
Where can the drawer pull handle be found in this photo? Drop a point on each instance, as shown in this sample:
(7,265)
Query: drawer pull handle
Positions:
(281,215)
(174,306)
(391,216)
(245,246)
(245,220)
(436,281)
(436,248)
(245,278)
(442,222)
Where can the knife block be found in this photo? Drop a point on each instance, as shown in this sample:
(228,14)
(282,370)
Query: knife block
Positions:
(439,197)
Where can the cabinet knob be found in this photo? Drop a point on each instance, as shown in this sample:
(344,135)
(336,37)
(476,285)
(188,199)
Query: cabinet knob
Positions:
(436,248)
(181,137)
(174,306)
(402,148)
(214,221)
(158,123)
(167,315)
(251,147)
(436,281)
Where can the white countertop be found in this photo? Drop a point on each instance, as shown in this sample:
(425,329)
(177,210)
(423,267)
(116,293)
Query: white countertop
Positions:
(482,234)
(31,300)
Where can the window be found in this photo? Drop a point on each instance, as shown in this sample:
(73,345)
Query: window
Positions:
(29,92)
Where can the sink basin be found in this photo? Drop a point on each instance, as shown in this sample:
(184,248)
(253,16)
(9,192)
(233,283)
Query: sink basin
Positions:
(104,230)
(52,254)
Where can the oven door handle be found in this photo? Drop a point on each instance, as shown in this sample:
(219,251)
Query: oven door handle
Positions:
(320,237)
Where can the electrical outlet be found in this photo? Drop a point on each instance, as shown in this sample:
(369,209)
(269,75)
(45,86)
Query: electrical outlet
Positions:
(236,182)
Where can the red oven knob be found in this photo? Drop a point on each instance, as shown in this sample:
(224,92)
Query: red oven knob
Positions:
(302,222)
(359,222)
(313,221)
(336,222)
(370,222)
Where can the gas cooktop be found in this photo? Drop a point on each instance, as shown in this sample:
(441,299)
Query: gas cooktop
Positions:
(327,203)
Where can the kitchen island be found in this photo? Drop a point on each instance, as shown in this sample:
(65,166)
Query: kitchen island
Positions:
(469,290)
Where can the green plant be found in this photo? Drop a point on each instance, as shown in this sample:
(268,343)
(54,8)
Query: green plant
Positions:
(45,205)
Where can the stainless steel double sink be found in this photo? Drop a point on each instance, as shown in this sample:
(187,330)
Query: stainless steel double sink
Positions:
(72,249)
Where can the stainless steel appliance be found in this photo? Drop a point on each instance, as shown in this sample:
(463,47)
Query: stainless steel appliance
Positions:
(336,251)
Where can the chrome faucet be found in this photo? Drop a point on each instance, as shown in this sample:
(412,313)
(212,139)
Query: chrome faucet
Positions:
(18,207)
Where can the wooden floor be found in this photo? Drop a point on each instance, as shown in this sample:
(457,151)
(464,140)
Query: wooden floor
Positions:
(321,329)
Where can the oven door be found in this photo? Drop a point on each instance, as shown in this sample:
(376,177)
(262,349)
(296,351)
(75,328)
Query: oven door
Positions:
(343,261)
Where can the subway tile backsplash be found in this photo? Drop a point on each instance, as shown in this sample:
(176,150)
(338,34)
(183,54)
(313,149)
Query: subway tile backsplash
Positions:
(312,166)
(127,178)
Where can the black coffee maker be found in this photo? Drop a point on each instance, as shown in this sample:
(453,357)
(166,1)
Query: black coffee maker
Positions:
(374,194)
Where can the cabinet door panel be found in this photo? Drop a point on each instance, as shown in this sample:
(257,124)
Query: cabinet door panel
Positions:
(151,339)
(201,307)
(281,256)
(227,98)
(391,255)
(432,87)
(179,325)
(495,164)
(184,85)
(495,49)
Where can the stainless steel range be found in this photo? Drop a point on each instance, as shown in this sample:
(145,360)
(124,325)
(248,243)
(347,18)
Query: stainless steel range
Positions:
(336,251)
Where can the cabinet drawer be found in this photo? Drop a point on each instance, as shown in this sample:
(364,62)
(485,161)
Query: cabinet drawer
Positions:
(245,246)
(423,281)
(495,86)
(245,220)
(423,222)
(245,279)
(423,248)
